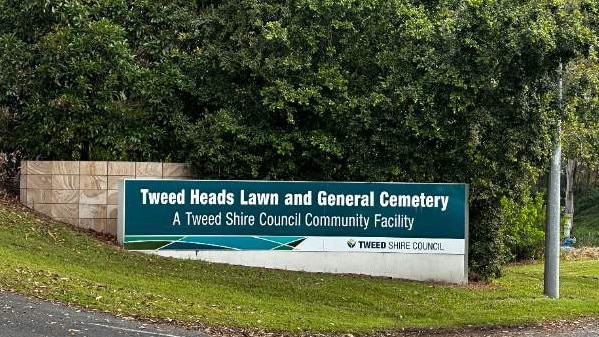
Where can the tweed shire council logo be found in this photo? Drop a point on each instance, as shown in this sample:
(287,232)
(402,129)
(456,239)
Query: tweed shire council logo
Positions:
(351,243)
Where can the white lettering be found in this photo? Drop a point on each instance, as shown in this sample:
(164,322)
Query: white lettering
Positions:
(162,198)
(197,197)
(176,220)
(421,200)
(263,199)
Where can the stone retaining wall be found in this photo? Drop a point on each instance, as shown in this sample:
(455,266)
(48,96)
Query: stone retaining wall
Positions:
(84,193)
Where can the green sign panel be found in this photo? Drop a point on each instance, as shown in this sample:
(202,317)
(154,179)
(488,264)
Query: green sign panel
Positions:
(299,216)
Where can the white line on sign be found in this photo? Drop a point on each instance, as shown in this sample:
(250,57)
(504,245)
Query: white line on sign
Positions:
(133,330)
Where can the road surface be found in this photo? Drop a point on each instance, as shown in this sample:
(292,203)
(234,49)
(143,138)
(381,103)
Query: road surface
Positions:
(25,317)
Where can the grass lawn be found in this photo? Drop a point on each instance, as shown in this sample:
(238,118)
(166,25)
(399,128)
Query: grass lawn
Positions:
(51,260)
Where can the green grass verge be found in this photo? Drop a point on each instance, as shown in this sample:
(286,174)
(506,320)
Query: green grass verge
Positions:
(53,261)
(586,219)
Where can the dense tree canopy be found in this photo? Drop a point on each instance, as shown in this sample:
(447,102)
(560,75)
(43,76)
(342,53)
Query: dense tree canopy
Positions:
(368,90)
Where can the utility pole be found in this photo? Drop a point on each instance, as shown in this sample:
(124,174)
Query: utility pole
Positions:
(552,225)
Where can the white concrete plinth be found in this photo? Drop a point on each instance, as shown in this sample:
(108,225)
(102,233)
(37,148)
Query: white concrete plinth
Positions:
(420,267)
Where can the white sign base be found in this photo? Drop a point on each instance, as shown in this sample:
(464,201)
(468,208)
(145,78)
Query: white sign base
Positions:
(420,267)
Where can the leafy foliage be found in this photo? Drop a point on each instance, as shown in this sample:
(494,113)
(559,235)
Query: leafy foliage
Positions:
(581,126)
(369,90)
(523,227)
(80,85)
(382,90)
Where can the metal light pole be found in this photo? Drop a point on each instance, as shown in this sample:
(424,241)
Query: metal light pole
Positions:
(552,226)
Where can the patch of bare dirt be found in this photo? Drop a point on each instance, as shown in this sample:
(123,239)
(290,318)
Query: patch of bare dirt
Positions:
(582,253)
(10,200)
(571,328)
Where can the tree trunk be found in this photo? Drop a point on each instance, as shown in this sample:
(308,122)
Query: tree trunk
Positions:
(569,213)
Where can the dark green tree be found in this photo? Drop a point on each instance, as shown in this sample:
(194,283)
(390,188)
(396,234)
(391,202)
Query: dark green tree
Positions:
(386,91)
(366,90)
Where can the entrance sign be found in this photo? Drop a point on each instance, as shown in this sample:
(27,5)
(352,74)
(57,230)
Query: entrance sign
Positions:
(254,218)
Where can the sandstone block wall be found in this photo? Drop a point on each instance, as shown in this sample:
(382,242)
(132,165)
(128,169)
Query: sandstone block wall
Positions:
(84,193)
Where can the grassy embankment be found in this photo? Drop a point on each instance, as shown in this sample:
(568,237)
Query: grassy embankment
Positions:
(53,261)
(586,219)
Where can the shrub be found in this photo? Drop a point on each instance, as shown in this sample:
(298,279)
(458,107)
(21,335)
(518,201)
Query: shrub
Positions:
(9,172)
(376,90)
(523,227)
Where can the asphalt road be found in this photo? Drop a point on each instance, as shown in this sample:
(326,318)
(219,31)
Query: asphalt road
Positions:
(25,317)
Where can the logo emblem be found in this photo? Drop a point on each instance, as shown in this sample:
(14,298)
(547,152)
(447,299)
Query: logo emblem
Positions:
(351,243)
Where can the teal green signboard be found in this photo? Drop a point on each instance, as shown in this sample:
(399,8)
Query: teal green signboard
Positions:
(298,216)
